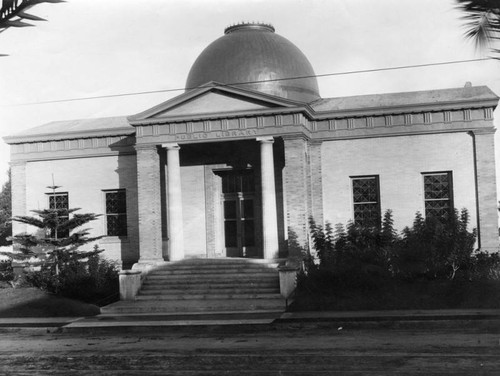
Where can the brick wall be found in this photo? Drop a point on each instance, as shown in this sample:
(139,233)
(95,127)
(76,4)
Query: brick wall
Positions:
(399,162)
(295,190)
(486,190)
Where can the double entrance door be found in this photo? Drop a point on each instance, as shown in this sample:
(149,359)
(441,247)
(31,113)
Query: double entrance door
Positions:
(239,214)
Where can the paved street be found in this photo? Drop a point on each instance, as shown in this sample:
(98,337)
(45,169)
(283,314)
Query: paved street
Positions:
(464,348)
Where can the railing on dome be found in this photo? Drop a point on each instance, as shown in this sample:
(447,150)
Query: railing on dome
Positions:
(249,26)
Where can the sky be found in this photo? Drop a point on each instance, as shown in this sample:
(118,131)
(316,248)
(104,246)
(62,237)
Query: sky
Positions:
(92,48)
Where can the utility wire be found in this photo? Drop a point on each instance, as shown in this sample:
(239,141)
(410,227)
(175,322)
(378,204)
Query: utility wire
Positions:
(259,81)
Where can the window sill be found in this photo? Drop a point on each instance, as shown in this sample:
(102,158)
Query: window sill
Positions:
(114,239)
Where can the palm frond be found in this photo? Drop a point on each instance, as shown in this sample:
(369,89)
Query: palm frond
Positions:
(482,21)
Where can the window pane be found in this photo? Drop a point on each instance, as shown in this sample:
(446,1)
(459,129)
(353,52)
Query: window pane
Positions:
(230,233)
(117,225)
(247,207)
(229,209)
(228,183)
(365,190)
(436,186)
(438,209)
(249,230)
(116,202)
(247,183)
(366,214)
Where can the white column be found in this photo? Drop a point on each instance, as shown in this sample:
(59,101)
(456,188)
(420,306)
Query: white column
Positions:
(174,202)
(269,212)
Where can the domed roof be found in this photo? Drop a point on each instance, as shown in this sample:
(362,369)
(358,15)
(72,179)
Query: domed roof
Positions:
(253,53)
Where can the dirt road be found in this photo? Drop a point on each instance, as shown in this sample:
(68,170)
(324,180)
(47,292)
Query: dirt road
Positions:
(467,348)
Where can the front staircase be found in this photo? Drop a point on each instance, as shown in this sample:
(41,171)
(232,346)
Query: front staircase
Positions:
(206,285)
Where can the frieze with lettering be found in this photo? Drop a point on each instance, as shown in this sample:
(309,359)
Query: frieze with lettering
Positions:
(217,134)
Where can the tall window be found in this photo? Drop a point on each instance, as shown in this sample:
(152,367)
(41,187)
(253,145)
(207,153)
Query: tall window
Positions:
(366,200)
(438,195)
(59,201)
(116,212)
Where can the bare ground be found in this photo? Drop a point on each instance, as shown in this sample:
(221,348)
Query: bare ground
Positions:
(467,348)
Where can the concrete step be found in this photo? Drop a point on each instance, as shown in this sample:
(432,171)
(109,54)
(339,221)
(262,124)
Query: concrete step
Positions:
(220,305)
(224,261)
(214,270)
(214,277)
(225,289)
(208,296)
(206,285)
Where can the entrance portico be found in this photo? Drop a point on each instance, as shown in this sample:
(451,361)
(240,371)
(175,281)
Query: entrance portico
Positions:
(239,203)
(181,161)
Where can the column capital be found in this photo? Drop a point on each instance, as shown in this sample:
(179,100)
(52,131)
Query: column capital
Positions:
(145,147)
(19,162)
(266,139)
(480,131)
(171,146)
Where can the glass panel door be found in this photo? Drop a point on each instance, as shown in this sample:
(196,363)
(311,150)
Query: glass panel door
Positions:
(239,213)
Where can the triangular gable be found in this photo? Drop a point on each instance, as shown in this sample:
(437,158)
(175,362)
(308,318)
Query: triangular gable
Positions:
(210,103)
(212,99)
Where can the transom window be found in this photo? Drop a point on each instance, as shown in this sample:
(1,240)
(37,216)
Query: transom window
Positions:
(438,195)
(366,200)
(243,181)
(116,212)
(59,201)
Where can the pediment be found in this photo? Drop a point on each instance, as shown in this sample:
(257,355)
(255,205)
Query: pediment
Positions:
(210,103)
(212,100)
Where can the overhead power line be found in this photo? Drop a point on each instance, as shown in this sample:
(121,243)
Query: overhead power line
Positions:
(259,81)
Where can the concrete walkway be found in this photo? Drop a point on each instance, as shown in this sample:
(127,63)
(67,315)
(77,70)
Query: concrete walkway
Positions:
(152,321)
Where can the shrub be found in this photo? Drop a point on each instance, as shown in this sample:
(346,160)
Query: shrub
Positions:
(484,266)
(433,248)
(6,272)
(90,281)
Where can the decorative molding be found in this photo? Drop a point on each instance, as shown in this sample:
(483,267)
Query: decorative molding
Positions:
(350,123)
(224,124)
(332,124)
(260,122)
(488,113)
(189,127)
(242,123)
(388,120)
(427,117)
(467,115)
(447,117)
(369,122)
(278,120)
(408,119)
(207,125)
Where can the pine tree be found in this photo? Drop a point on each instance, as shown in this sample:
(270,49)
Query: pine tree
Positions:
(59,238)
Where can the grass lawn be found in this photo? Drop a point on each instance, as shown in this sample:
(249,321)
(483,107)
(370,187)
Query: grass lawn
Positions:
(33,302)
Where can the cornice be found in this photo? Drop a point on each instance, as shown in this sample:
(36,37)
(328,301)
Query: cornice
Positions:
(391,110)
(225,115)
(17,139)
